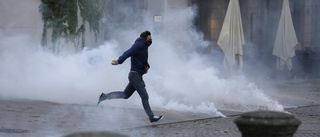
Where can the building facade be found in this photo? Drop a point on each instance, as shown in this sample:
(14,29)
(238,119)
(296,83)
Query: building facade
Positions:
(260,21)
(25,20)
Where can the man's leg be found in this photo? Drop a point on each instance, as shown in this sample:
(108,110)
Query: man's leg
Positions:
(137,81)
(128,91)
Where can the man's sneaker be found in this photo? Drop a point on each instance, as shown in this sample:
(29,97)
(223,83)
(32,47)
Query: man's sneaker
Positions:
(100,99)
(156,118)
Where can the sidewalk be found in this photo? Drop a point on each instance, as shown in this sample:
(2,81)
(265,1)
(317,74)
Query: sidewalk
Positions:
(225,127)
(45,119)
(302,98)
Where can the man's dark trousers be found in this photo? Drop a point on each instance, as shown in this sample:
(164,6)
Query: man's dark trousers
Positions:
(135,83)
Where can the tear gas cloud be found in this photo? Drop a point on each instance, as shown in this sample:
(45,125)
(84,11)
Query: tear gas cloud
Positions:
(180,78)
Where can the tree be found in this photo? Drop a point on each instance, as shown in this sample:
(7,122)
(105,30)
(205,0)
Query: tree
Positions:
(66,20)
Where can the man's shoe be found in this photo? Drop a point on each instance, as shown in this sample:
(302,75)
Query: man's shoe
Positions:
(156,118)
(100,99)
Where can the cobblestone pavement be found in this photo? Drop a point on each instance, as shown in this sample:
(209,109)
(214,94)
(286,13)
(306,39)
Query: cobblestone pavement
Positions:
(303,95)
(225,127)
(45,119)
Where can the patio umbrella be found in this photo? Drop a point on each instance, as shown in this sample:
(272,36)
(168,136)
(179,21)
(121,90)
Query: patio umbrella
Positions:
(231,36)
(286,39)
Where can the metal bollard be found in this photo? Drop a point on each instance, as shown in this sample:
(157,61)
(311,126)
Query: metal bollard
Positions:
(267,124)
(96,134)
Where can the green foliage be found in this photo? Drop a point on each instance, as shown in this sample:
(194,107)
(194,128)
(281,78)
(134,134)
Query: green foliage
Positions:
(61,16)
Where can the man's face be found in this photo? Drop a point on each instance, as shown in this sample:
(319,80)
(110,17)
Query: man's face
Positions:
(149,38)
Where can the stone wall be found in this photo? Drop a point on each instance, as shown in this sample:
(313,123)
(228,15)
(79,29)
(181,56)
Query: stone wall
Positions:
(21,17)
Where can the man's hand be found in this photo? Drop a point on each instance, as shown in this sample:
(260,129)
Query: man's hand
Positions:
(114,62)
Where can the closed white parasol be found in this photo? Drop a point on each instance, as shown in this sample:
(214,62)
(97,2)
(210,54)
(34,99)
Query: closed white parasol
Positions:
(286,39)
(231,37)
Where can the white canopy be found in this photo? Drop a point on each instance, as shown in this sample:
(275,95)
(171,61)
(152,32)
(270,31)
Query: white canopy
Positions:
(286,39)
(231,36)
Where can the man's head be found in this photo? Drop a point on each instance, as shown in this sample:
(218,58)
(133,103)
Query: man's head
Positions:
(146,35)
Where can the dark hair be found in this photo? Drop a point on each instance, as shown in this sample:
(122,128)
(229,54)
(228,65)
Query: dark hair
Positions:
(145,34)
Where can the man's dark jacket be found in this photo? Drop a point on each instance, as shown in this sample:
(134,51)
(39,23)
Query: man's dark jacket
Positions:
(139,56)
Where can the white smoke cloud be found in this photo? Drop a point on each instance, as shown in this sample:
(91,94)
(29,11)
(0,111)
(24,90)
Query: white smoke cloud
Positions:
(180,78)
